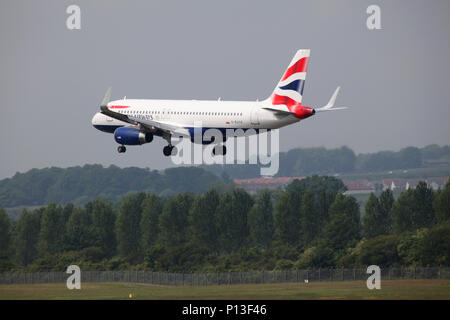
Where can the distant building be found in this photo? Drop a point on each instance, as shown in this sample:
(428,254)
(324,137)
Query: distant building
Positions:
(405,184)
(255,184)
(359,186)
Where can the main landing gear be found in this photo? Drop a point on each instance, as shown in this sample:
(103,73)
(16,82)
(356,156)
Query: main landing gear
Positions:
(121,149)
(169,150)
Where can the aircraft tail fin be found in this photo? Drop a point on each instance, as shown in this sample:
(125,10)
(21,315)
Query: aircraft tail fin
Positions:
(289,90)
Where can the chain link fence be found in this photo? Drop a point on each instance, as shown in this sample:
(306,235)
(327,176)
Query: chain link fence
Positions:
(227,278)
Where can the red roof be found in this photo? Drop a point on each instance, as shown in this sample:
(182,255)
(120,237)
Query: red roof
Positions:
(265,181)
(362,184)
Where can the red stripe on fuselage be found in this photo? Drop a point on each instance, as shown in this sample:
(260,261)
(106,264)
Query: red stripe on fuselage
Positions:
(300,66)
(118,107)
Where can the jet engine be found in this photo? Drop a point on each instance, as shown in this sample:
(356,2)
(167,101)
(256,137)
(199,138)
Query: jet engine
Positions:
(132,136)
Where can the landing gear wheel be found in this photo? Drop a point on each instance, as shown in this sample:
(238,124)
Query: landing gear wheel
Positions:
(167,150)
(121,149)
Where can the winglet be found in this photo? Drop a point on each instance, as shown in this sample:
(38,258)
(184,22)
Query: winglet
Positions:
(107,97)
(329,106)
(330,103)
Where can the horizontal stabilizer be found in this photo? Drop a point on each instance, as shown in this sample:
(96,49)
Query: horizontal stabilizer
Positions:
(331,109)
(280,112)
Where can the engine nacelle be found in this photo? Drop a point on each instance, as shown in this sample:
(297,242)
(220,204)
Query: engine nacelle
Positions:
(132,136)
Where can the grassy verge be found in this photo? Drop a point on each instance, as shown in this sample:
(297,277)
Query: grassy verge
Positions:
(395,289)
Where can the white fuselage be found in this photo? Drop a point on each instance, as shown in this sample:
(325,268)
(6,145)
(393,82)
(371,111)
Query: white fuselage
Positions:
(194,113)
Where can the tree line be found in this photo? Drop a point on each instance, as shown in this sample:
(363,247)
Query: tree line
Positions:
(310,224)
(79,185)
(82,184)
(308,161)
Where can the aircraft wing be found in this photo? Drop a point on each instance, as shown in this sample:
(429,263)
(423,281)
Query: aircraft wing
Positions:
(146,122)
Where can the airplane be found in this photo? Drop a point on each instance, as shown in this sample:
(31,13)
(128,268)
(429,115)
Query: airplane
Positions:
(137,121)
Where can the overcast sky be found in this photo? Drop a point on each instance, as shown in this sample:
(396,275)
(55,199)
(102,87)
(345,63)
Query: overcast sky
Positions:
(52,80)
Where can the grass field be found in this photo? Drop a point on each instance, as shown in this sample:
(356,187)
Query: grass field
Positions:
(395,289)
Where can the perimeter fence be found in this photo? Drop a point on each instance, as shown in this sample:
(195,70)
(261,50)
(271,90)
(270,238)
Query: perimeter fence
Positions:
(227,278)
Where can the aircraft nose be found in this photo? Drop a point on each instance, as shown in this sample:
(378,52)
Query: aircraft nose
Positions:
(95,119)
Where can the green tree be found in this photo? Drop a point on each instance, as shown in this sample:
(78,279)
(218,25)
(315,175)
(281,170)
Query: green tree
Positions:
(242,203)
(52,233)
(79,230)
(173,222)
(324,201)
(381,251)
(423,200)
(436,246)
(151,210)
(410,157)
(66,212)
(403,213)
(309,221)
(231,220)
(5,234)
(320,256)
(26,235)
(224,212)
(370,219)
(410,247)
(386,200)
(344,226)
(441,204)
(377,220)
(103,223)
(202,219)
(128,226)
(434,151)
(287,217)
(260,220)
(413,209)
(317,183)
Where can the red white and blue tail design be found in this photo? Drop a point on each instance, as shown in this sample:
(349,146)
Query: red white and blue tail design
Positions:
(289,91)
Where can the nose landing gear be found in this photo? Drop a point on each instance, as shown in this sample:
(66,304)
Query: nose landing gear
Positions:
(121,149)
